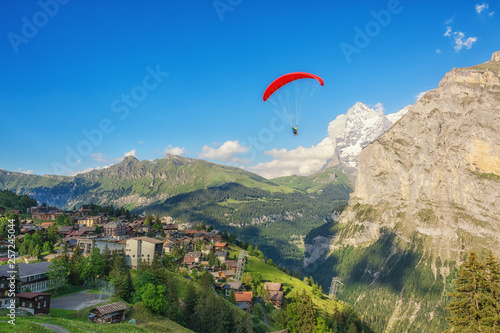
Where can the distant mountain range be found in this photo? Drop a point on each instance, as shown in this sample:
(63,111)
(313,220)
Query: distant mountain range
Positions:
(274,214)
(133,183)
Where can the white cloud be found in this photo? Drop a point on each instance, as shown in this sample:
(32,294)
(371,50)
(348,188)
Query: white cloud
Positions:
(438,51)
(99,157)
(460,40)
(379,107)
(130,153)
(491,14)
(140,142)
(173,150)
(337,126)
(74,173)
(480,8)
(226,152)
(28,172)
(299,161)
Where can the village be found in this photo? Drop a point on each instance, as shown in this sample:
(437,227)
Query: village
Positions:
(192,248)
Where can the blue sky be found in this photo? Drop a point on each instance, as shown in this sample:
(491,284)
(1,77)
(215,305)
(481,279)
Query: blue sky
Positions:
(68,66)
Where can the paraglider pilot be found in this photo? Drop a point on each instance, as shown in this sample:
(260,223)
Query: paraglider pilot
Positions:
(294,130)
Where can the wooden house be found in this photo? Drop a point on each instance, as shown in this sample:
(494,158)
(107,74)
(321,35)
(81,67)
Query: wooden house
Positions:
(244,299)
(111,313)
(220,246)
(34,302)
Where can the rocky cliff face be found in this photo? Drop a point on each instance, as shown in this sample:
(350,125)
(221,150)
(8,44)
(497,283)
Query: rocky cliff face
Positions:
(353,131)
(437,171)
(427,191)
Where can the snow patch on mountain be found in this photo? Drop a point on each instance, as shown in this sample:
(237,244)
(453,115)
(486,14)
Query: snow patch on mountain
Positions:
(356,129)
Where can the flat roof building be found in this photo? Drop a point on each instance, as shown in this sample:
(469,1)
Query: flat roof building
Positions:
(142,248)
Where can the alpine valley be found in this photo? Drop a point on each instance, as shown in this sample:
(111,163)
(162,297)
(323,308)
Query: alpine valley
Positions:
(392,213)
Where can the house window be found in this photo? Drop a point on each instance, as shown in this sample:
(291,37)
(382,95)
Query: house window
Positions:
(39,305)
(44,304)
(24,304)
(31,305)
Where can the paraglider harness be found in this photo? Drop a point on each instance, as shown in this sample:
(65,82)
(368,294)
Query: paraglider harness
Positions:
(294,130)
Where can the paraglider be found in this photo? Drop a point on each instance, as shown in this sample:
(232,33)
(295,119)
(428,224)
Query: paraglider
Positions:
(289,93)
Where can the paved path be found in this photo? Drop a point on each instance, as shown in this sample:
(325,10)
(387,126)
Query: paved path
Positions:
(56,328)
(76,301)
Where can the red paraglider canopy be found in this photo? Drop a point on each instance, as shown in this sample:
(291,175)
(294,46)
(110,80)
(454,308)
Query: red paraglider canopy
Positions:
(287,78)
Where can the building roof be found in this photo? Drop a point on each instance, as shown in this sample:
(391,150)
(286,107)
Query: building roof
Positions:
(229,272)
(193,254)
(272,286)
(31,295)
(243,296)
(243,306)
(77,233)
(168,243)
(232,263)
(27,269)
(233,285)
(110,308)
(90,229)
(221,254)
(277,296)
(114,224)
(147,239)
(221,244)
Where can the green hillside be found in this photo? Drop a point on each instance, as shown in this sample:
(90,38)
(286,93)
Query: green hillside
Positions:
(10,200)
(316,181)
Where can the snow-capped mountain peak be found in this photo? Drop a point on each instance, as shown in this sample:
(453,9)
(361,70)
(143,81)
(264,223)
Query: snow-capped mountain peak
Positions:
(353,131)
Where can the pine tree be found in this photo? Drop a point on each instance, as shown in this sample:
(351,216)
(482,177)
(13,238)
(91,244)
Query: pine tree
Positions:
(306,314)
(94,267)
(148,220)
(191,299)
(352,328)
(76,264)
(47,247)
(174,311)
(156,268)
(57,274)
(120,275)
(469,297)
(491,308)
(108,260)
